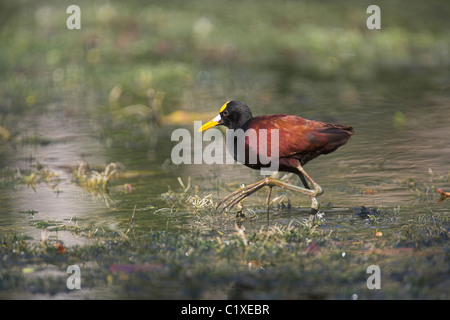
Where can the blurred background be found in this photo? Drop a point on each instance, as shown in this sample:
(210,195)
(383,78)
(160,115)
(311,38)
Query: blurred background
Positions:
(115,90)
(86,118)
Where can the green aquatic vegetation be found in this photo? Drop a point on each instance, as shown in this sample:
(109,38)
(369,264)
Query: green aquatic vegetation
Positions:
(276,261)
(51,179)
(187,199)
(420,191)
(200,203)
(177,197)
(5,135)
(424,231)
(29,212)
(54,226)
(33,140)
(94,181)
(117,80)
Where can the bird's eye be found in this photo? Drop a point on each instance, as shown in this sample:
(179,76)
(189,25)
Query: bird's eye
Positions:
(225,113)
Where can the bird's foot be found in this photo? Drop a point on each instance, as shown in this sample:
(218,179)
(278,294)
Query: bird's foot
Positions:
(237,196)
(315,216)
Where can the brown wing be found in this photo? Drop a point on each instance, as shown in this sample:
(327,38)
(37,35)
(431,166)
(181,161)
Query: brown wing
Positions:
(301,138)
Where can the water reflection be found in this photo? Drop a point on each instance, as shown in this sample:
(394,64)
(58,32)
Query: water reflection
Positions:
(67,142)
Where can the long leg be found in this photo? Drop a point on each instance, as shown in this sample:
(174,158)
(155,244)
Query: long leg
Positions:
(302,178)
(318,189)
(257,185)
(237,196)
(268,202)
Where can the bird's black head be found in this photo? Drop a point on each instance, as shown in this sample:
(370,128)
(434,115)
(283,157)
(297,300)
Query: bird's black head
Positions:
(233,115)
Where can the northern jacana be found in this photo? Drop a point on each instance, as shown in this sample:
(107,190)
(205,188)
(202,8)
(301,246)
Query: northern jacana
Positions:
(299,141)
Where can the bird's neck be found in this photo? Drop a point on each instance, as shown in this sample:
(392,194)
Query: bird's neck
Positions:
(243,122)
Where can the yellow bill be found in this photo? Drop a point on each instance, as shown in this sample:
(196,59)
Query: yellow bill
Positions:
(211,123)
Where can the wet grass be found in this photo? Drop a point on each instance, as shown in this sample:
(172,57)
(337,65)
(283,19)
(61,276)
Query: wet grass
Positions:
(206,255)
(281,262)
(225,257)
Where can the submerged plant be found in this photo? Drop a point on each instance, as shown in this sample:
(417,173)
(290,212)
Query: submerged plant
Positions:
(94,182)
(51,178)
(200,203)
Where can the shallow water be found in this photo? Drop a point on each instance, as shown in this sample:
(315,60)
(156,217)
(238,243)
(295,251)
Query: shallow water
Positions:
(374,169)
(377,187)
(90,99)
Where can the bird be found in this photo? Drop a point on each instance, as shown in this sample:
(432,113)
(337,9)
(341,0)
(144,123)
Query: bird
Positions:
(299,141)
